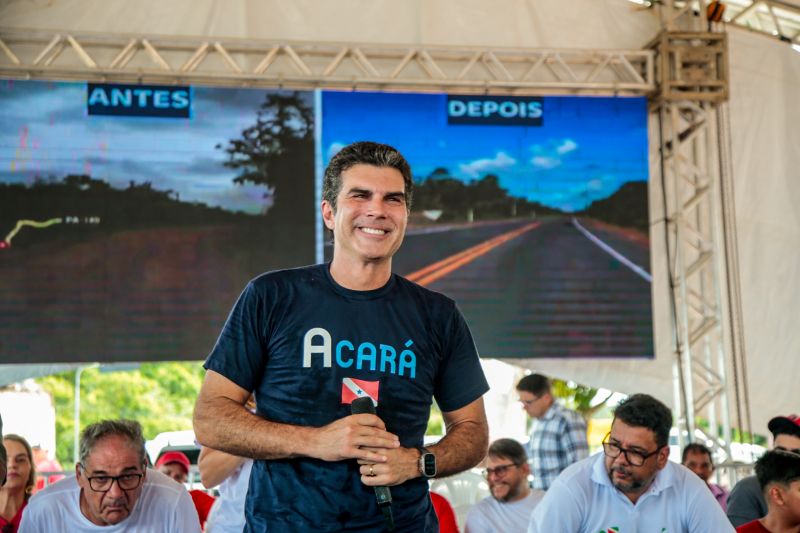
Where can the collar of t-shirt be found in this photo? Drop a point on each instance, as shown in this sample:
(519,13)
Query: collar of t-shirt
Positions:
(357,295)
(665,478)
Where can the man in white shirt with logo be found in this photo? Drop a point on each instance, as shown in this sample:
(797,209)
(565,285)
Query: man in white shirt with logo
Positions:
(112,490)
(509,507)
(632,487)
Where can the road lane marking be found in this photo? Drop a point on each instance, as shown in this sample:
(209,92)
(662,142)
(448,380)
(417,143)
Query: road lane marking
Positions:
(439,269)
(644,274)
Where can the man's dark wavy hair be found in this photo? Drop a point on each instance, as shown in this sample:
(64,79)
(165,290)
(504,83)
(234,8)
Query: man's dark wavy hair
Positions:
(642,410)
(365,153)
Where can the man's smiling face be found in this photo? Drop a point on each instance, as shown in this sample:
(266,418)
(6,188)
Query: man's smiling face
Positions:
(371,214)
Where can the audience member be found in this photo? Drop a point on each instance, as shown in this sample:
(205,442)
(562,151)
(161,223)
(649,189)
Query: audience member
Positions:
(697,458)
(112,488)
(176,465)
(232,476)
(3,457)
(558,436)
(44,464)
(778,474)
(509,507)
(632,486)
(746,501)
(21,474)
(444,513)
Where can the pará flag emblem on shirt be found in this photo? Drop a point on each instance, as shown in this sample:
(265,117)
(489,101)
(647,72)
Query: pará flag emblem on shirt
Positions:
(356,388)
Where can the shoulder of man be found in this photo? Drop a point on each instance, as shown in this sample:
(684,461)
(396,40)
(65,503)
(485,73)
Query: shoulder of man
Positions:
(425,292)
(55,490)
(288,275)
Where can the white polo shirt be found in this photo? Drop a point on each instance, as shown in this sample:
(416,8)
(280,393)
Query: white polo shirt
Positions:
(583,500)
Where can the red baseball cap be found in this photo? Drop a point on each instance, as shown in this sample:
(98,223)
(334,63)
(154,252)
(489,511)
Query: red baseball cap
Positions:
(174,457)
(785,425)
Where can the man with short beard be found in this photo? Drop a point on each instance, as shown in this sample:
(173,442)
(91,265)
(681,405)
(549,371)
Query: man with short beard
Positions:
(509,507)
(632,486)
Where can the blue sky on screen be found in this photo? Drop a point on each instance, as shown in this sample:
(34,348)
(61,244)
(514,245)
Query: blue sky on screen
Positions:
(45,132)
(585,150)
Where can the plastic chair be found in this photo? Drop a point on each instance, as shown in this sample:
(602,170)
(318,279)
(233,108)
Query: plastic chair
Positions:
(462,491)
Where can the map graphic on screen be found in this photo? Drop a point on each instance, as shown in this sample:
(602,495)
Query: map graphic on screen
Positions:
(532,213)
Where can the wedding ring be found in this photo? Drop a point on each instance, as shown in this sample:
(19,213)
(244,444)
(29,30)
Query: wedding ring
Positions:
(371,471)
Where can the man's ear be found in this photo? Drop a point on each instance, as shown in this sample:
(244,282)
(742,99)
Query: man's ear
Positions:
(775,494)
(328,214)
(663,457)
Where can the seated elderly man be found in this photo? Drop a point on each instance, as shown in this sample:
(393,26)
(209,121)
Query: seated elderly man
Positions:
(509,507)
(112,488)
(632,486)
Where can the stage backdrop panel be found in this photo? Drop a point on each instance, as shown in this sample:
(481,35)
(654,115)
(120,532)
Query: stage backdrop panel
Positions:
(132,216)
(530,212)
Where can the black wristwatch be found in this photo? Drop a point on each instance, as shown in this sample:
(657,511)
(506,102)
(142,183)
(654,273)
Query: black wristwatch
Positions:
(427,463)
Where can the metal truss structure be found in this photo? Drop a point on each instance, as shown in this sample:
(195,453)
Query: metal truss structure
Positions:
(696,173)
(304,65)
(775,18)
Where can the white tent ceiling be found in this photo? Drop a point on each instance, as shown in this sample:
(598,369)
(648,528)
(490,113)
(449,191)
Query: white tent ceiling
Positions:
(764,110)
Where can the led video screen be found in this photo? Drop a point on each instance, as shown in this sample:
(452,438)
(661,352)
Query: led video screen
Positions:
(132,216)
(530,212)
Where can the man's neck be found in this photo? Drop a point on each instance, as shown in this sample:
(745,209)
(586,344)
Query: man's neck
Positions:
(779,524)
(361,275)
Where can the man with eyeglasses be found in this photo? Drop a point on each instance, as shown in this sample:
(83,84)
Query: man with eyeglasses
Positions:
(112,490)
(509,507)
(558,436)
(632,486)
(746,501)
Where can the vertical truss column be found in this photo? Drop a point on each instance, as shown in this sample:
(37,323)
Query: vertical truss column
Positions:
(692,85)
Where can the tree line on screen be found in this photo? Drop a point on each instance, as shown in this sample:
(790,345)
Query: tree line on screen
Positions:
(481,199)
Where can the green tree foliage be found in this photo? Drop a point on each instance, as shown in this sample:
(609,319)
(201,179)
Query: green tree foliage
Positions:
(581,398)
(159,395)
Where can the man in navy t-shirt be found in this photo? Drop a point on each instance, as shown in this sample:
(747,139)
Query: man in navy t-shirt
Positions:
(308,341)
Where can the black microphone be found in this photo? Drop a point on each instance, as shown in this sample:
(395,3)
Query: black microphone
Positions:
(360,406)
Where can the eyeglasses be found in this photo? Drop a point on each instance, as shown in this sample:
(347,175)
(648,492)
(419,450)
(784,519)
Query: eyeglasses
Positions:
(632,456)
(104,483)
(498,470)
(529,402)
(795,451)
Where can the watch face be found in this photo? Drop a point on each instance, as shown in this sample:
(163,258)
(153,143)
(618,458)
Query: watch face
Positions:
(429,464)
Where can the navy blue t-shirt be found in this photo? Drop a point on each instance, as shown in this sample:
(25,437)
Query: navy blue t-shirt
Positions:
(307,346)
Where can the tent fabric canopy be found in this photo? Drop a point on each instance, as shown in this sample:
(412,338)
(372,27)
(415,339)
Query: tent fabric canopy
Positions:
(763,111)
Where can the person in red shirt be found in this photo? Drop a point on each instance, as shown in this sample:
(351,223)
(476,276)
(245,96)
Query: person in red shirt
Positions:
(44,464)
(445,514)
(16,492)
(778,473)
(176,465)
